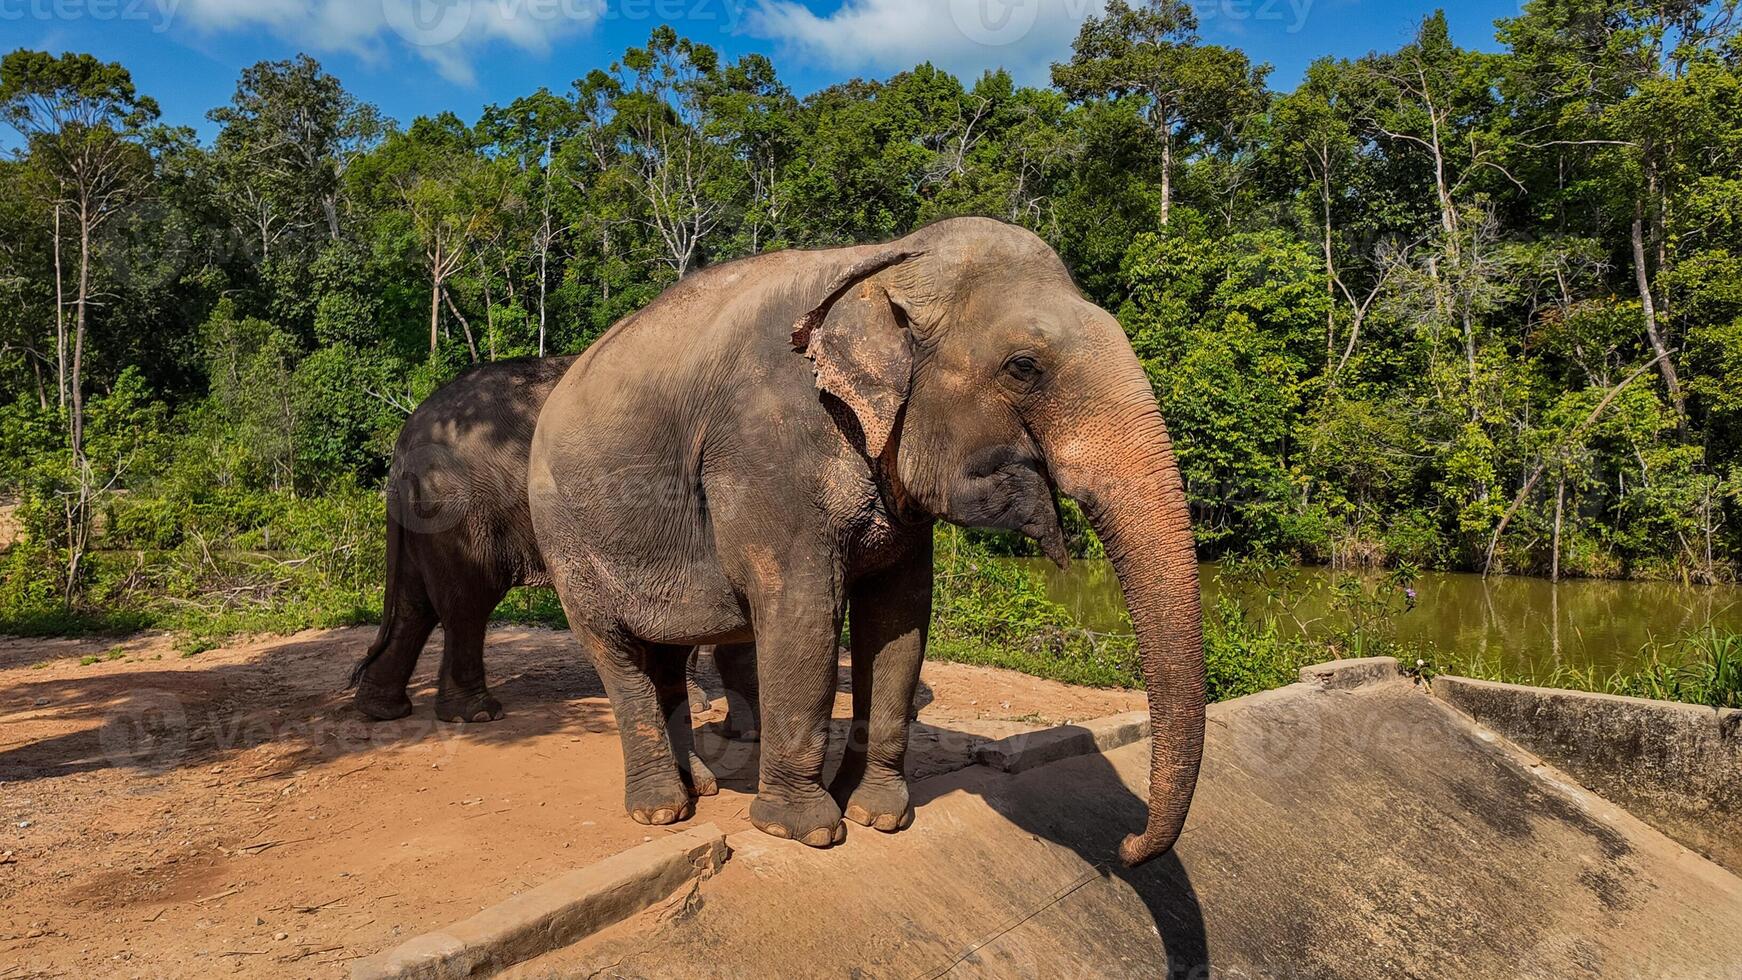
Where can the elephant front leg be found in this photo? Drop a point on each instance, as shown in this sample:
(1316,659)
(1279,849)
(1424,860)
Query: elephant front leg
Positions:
(673,670)
(795,658)
(891,613)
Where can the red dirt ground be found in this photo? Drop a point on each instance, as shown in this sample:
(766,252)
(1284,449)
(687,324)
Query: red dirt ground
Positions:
(231,813)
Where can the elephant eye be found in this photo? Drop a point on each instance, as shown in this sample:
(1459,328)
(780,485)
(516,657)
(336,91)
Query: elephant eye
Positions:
(1023,367)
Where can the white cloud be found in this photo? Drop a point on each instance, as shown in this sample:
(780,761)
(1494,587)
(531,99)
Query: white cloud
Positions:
(446,33)
(963,36)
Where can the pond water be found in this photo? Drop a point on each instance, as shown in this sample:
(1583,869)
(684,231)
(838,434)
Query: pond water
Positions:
(1528,624)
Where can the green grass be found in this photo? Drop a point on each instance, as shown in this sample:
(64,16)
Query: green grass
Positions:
(1704,668)
(991,612)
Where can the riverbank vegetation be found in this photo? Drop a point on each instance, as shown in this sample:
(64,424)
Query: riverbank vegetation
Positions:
(1704,668)
(1433,308)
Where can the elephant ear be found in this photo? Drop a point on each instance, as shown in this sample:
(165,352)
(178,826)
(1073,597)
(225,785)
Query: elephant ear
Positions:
(862,351)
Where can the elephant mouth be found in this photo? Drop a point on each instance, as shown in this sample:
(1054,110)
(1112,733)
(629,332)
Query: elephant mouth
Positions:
(1007,491)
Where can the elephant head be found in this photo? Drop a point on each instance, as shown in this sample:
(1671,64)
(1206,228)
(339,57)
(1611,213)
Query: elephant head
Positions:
(982,381)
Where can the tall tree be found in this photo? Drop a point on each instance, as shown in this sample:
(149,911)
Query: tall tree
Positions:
(433,178)
(81,119)
(1151,52)
(1603,86)
(291,130)
(672,156)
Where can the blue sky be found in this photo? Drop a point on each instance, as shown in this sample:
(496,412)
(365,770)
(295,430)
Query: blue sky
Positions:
(413,57)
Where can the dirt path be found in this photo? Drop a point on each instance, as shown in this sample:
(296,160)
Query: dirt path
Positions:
(231,813)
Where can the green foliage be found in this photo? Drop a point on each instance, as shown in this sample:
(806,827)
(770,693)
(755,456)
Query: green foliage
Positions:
(1246,653)
(1220,325)
(1396,318)
(989,611)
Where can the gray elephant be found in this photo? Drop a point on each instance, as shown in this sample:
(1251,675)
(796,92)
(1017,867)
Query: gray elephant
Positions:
(459,536)
(766,447)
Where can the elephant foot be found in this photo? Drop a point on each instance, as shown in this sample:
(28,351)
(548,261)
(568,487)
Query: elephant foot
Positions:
(380,703)
(700,703)
(814,820)
(877,800)
(699,779)
(462,708)
(659,805)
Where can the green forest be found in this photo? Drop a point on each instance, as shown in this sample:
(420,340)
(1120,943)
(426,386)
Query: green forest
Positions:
(1434,308)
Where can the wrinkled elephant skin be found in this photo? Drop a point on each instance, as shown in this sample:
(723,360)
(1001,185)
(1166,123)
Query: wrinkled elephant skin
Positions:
(766,447)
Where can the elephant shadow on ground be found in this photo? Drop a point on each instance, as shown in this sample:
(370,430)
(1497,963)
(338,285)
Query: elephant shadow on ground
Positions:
(1080,804)
(155,713)
(1083,805)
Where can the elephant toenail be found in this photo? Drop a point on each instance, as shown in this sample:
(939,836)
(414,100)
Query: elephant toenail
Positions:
(858,815)
(640,816)
(664,815)
(820,838)
(776,830)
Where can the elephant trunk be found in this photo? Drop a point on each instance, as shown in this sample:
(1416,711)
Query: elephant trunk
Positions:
(1115,458)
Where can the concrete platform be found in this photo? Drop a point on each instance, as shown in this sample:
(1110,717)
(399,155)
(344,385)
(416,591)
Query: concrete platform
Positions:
(1362,831)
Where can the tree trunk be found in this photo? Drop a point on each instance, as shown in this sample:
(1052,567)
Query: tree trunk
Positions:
(489,310)
(1642,279)
(1470,360)
(1560,502)
(435,300)
(1330,277)
(1166,172)
(544,247)
(60,317)
(41,387)
(465,325)
(330,208)
(75,383)
(78,511)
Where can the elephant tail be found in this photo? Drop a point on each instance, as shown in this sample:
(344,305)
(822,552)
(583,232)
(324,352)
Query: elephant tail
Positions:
(389,603)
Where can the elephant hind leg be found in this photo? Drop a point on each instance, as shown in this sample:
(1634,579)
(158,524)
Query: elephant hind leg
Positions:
(461,693)
(699,700)
(382,677)
(737,666)
(654,791)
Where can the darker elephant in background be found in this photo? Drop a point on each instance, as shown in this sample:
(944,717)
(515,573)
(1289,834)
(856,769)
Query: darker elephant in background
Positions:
(763,451)
(459,537)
